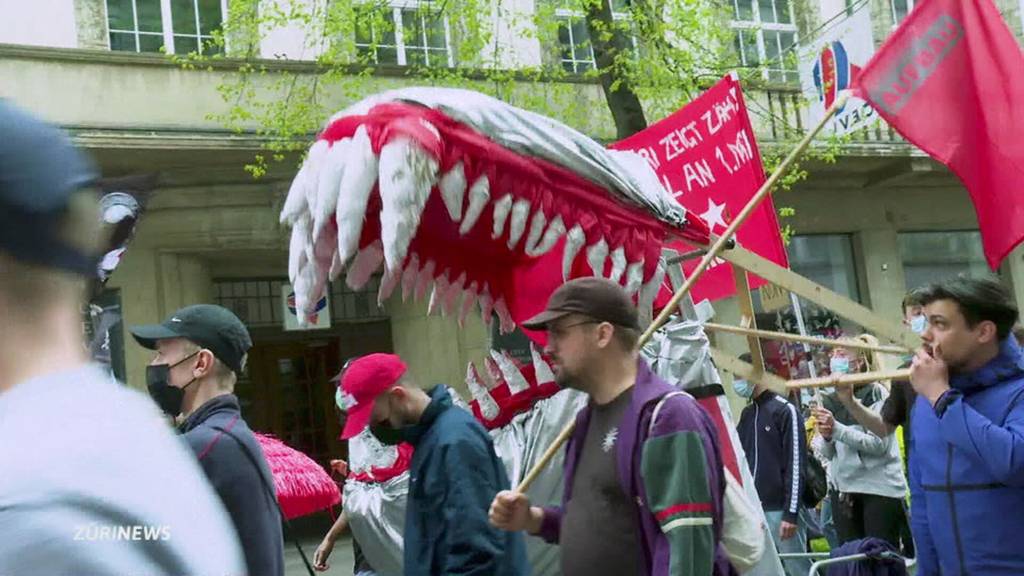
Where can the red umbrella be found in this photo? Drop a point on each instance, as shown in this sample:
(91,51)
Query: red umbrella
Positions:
(302,485)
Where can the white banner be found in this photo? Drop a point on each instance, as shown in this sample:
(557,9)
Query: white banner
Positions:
(319,319)
(828,65)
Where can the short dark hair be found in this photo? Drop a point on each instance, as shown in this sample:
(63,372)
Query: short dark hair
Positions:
(979,299)
(913,298)
(627,337)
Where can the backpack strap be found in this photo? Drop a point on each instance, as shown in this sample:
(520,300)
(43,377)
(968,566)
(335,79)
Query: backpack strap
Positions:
(657,408)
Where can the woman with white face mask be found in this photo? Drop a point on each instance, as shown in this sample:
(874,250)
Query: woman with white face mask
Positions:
(866,469)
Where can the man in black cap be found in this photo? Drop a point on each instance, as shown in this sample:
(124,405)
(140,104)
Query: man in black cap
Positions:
(643,470)
(200,350)
(92,482)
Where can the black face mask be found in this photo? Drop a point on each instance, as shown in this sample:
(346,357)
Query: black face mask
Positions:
(158,381)
(387,435)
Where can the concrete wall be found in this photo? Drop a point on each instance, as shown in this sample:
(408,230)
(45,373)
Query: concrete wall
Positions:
(38,23)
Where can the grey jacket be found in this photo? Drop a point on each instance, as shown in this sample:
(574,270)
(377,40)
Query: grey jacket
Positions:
(863,463)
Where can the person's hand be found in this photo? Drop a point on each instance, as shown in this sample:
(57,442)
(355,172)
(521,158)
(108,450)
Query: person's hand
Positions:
(340,467)
(786,530)
(929,374)
(845,394)
(323,552)
(511,511)
(825,421)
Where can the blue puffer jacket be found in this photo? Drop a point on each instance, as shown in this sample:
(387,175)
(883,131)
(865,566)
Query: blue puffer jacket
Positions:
(967,473)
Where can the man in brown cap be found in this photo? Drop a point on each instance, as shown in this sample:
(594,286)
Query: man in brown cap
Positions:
(643,471)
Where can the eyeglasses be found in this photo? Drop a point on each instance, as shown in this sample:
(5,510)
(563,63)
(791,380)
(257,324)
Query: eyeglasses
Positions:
(560,331)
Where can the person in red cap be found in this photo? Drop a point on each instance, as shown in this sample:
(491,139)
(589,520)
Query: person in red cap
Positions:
(454,474)
(644,483)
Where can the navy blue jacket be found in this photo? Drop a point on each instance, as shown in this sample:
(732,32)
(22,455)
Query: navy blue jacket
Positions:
(231,471)
(772,436)
(453,478)
(967,472)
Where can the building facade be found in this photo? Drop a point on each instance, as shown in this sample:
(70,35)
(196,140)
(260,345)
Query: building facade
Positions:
(880,220)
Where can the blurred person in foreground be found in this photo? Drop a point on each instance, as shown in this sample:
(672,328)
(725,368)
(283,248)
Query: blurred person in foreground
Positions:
(93,481)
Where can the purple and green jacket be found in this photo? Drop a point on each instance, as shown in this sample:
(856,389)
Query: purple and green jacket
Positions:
(674,474)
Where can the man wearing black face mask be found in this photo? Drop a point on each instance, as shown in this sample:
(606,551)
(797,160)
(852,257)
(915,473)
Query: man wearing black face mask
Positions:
(453,477)
(200,351)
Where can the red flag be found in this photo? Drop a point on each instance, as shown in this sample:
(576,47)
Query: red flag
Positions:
(706,155)
(949,80)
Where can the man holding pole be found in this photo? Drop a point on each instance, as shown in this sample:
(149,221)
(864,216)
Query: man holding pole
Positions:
(643,471)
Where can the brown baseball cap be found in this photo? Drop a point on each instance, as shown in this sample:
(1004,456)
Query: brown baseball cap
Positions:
(599,298)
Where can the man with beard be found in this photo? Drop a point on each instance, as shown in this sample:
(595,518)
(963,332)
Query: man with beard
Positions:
(643,471)
(967,465)
(453,475)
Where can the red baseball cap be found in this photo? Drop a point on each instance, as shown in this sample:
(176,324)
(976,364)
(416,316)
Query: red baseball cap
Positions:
(363,380)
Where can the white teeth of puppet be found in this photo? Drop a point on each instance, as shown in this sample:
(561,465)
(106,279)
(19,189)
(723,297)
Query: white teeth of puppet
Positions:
(469,299)
(479,194)
(649,292)
(425,279)
(504,316)
(493,378)
(574,242)
(325,247)
(330,180)
(296,247)
(295,203)
(501,209)
(388,283)
(484,400)
(634,277)
(302,285)
(513,377)
(486,304)
(365,264)
(541,370)
(451,297)
(354,193)
(407,174)
(537,226)
(520,212)
(441,286)
(555,231)
(618,264)
(597,253)
(453,189)
(434,299)
(409,276)
(336,268)
(315,161)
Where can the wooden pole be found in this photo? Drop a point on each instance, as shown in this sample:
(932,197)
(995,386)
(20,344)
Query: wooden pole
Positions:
(831,343)
(848,379)
(706,261)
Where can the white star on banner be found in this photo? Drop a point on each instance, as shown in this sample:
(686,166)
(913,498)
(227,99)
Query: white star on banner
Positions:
(713,215)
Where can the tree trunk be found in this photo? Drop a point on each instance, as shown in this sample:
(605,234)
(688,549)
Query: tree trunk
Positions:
(625,106)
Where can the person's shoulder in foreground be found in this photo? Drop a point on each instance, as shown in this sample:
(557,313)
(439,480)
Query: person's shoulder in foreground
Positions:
(96,483)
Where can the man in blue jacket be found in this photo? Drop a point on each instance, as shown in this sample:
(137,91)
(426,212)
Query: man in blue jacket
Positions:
(772,434)
(967,465)
(453,476)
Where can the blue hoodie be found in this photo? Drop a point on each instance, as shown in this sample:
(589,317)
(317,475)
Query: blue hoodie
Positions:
(967,473)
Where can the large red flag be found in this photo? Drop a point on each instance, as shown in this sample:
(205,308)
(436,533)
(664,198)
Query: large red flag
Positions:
(707,156)
(950,79)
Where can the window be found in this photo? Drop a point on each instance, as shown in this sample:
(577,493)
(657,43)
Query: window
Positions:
(900,9)
(257,301)
(577,54)
(765,35)
(935,256)
(176,26)
(405,35)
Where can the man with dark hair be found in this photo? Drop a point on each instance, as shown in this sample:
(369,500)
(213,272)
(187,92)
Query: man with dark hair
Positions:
(967,465)
(91,481)
(644,482)
(200,350)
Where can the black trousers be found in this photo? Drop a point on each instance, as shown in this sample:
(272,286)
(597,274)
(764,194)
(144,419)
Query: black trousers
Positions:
(859,516)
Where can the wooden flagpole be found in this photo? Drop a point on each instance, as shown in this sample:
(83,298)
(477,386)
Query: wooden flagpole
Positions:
(848,379)
(705,262)
(829,342)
